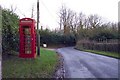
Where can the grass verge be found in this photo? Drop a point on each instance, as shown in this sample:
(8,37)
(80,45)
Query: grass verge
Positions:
(110,54)
(41,67)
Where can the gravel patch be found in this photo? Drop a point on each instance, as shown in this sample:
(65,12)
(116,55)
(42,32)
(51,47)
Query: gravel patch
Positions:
(60,71)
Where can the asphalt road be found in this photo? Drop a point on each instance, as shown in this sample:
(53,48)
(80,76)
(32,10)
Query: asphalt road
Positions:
(79,64)
(0,71)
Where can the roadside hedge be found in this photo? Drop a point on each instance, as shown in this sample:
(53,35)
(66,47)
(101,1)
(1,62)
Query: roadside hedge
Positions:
(10,34)
(91,45)
(55,39)
(52,38)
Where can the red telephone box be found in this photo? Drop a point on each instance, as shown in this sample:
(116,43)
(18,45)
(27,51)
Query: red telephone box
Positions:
(27,38)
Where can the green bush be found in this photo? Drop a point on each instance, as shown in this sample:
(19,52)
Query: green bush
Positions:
(52,38)
(103,36)
(10,35)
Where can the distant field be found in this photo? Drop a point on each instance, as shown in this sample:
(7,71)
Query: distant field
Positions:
(41,67)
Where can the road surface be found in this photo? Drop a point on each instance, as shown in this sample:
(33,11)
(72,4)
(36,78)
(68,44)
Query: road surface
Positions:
(0,71)
(79,64)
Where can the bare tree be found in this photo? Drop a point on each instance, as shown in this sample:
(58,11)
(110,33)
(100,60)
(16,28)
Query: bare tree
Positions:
(32,13)
(75,23)
(94,21)
(66,19)
(62,17)
(81,21)
(12,9)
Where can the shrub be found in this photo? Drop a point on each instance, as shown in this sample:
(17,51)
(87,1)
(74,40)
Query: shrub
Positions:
(92,45)
(52,38)
(10,37)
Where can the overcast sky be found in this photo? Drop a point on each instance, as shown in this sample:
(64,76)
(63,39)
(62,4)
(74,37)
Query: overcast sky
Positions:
(49,9)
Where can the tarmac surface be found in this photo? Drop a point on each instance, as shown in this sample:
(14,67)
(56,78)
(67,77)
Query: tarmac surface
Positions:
(80,64)
(0,71)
